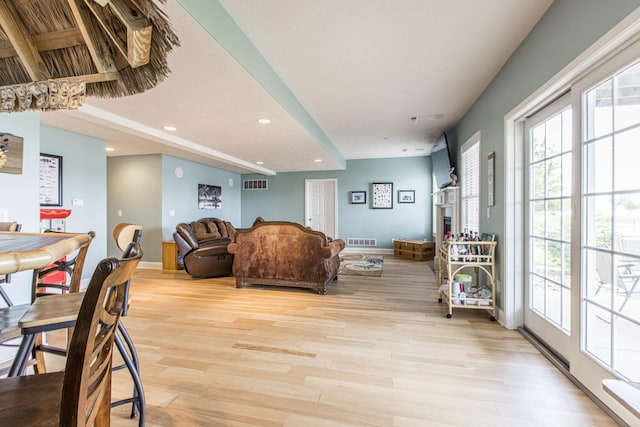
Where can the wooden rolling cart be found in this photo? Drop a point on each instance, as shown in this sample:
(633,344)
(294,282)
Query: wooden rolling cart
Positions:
(453,258)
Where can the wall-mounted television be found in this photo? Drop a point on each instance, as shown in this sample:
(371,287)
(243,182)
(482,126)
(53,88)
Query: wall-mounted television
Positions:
(441,161)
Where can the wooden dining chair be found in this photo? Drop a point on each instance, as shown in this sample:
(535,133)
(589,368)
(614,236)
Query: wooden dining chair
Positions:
(81,394)
(7,226)
(124,235)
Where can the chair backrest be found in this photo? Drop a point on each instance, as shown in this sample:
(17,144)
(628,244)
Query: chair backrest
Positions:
(125,233)
(86,391)
(10,226)
(72,267)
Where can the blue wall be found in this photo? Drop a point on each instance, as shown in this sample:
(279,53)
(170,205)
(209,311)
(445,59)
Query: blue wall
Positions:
(567,29)
(20,192)
(84,170)
(181,194)
(284,200)
(84,176)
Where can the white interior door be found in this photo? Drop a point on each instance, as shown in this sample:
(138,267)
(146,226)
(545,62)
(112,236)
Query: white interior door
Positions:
(321,205)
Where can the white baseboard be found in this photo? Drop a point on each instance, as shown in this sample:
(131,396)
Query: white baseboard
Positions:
(150,265)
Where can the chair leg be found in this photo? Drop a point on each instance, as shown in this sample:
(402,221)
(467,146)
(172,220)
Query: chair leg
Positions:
(130,357)
(5,297)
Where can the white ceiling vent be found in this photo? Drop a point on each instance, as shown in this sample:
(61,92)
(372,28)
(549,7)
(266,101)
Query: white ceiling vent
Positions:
(354,241)
(255,184)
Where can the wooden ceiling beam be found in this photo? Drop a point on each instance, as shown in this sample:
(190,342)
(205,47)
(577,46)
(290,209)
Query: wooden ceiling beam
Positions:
(137,46)
(44,42)
(22,42)
(98,48)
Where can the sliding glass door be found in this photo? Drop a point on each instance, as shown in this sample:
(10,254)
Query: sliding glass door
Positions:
(548,281)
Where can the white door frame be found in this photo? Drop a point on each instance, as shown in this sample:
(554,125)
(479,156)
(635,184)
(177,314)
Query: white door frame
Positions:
(619,37)
(307,201)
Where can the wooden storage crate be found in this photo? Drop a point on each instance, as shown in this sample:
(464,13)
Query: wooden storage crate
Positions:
(419,250)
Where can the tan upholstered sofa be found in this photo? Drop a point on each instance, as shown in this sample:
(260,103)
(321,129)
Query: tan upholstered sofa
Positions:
(285,254)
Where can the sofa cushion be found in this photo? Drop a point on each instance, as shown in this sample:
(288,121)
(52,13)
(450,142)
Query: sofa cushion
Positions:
(199,230)
(231,230)
(222,228)
(212,228)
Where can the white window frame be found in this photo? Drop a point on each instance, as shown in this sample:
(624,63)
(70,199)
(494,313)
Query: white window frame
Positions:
(470,183)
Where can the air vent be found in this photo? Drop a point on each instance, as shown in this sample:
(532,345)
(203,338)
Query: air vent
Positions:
(255,184)
(352,241)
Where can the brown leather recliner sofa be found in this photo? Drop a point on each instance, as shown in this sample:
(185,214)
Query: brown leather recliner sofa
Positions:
(203,246)
(285,254)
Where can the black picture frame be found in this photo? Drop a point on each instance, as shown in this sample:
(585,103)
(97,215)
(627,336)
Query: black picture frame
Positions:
(406,196)
(382,195)
(209,196)
(358,197)
(50,180)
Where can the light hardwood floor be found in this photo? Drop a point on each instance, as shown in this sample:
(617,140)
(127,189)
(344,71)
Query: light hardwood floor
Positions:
(372,352)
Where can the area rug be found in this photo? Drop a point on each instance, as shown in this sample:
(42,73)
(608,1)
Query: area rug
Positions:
(361,265)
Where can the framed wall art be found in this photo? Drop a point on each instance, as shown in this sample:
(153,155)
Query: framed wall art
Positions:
(209,196)
(382,195)
(11,148)
(358,197)
(406,196)
(50,180)
(490,177)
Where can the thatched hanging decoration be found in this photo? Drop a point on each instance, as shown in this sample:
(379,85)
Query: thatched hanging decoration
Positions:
(54,52)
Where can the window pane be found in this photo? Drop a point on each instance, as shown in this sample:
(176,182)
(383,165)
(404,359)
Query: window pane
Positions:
(537,294)
(554,136)
(625,356)
(627,98)
(538,218)
(627,215)
(538,177)
(599,111)
(538,145)
(554,219)
(554,261)
(599,160)
(554,303)
(554,177)
(598,333)
(598,214)
(626,160)
(538,257)
(566,175)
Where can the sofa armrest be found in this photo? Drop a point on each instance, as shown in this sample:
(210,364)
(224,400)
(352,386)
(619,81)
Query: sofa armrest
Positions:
(214,241)
(332,249)
(232,248)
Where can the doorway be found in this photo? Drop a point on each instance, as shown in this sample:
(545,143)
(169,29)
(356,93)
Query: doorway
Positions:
(321,205)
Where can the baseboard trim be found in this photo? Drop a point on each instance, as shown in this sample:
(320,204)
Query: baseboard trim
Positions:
(564,368)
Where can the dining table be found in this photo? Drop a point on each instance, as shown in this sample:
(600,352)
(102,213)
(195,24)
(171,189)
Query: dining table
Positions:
(32,251)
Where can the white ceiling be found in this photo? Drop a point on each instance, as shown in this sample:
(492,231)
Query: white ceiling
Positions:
(360,69)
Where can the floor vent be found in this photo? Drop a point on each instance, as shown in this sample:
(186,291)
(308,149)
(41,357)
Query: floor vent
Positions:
(352,241)
(255,184)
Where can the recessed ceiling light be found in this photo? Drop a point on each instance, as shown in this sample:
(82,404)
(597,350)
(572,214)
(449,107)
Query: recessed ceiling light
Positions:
(318,160)
(386,138)
(413,119)
(259,163)
(264,121)
(420,149)
(170,128)
(109,149)
(437,116)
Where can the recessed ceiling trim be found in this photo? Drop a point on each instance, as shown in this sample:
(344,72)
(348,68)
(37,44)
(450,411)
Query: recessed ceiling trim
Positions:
(213,17)
(96,115)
